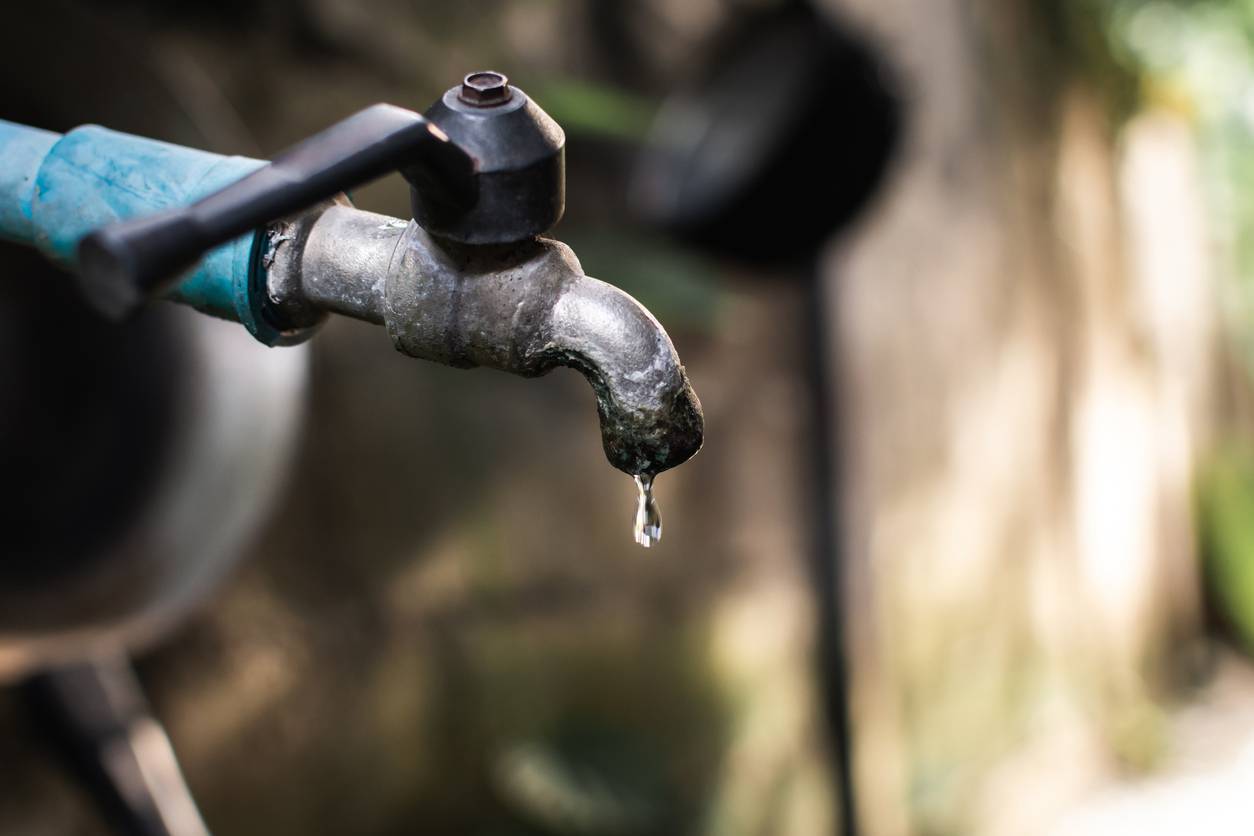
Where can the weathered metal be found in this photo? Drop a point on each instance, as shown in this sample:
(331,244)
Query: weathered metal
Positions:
(521,308)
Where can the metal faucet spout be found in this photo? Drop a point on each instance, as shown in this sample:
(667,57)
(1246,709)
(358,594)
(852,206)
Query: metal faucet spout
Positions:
(650,417)
(523,308)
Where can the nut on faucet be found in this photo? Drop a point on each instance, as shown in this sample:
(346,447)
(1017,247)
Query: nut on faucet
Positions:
(485,89)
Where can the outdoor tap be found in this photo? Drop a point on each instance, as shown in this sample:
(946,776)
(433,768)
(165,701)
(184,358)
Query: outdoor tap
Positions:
(523,308)
(468,282)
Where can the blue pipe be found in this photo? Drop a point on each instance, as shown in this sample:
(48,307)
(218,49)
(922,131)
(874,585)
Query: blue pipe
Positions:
(22,150)
(54,189)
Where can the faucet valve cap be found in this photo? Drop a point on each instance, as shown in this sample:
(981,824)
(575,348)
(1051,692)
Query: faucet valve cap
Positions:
(519,165)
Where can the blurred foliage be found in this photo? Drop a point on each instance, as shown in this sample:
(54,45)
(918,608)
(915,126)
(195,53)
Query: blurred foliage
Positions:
(1138,736)
(1226,497)
(1196,58)
(1077,40)
(679,285)
(600,110)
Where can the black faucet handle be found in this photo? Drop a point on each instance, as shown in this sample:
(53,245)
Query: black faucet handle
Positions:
(485,165)
(520,165)
(124,264)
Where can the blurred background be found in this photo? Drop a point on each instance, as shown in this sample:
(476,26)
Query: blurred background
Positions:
(965,289)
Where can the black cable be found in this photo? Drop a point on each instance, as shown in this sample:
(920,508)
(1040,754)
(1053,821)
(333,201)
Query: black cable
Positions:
(825,553)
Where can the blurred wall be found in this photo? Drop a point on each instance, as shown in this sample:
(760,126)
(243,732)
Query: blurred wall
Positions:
(1026,342)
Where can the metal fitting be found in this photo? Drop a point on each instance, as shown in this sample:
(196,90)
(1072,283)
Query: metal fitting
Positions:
(485,89)
(522,308)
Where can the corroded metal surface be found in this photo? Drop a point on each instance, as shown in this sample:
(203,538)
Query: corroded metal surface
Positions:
(524,308)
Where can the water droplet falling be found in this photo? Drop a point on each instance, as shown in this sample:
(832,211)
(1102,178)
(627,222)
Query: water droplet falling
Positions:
(648,528)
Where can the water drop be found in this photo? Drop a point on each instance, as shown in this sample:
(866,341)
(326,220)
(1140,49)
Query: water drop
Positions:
(648,528)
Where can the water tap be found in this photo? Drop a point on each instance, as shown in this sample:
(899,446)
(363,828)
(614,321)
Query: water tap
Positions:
(468,282)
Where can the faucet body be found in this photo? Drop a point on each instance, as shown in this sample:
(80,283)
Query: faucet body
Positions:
(524,307)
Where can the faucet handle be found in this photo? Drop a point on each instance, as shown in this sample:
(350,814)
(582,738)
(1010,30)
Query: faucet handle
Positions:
(485,165)
(520,164)
(123,264)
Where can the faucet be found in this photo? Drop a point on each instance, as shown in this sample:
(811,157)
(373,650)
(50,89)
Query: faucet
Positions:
(470,281)
(523,307)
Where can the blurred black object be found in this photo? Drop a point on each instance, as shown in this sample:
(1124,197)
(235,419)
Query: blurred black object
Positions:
(97,716)
(86,411)
(776,144)
(779,143)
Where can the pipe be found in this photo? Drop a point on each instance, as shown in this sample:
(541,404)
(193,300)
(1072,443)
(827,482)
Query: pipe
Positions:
(522,308)
(54,189)
(23,150)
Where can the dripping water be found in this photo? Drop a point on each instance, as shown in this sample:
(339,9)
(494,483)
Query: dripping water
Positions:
(648,528)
